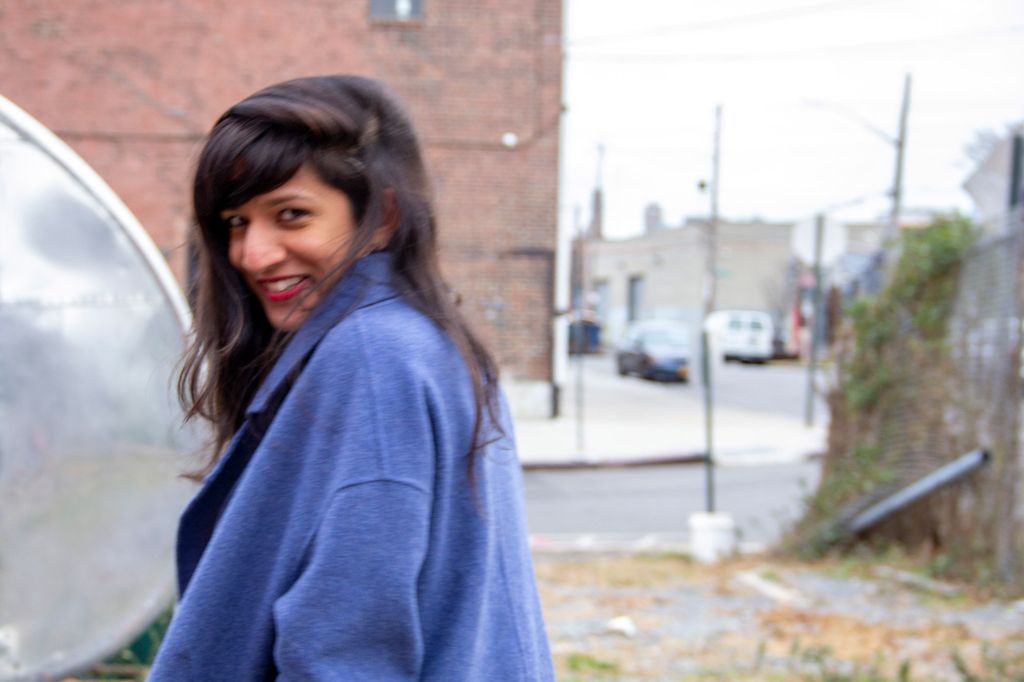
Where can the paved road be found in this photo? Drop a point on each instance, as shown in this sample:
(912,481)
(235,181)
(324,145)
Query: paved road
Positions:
(758,416)
(637,505)
(760,441)
(770,389)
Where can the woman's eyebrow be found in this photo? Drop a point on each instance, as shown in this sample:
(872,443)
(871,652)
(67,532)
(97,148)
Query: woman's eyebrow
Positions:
(285,198)
(272,201)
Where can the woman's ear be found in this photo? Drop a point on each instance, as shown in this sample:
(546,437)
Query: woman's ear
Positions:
(382,237)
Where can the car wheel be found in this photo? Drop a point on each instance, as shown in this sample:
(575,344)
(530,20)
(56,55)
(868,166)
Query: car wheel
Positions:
(621,368)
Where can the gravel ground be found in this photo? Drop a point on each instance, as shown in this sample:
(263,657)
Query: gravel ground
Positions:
(751,619)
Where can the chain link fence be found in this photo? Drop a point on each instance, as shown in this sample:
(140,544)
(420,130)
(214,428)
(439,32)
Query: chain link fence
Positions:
(942,398)
(984,411)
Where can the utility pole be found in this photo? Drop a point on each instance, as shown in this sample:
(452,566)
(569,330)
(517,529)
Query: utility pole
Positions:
(812,364)
(712,534)
(710,283)
(900,142)
(711,245)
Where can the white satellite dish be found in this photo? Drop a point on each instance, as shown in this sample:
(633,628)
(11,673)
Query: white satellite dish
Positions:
(91,325)
(834,241)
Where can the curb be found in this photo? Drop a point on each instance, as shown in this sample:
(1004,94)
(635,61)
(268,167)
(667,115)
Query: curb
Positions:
(621,463)
(655,460)
(608,544)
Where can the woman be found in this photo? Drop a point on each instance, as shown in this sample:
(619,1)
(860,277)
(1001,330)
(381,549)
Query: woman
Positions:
(364,520)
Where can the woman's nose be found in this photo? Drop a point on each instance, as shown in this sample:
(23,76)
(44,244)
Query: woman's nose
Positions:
(258,248)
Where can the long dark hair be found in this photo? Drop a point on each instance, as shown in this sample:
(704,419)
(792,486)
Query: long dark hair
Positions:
(357,138)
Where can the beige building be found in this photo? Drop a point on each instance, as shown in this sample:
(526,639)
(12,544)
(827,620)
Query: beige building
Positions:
(660,273)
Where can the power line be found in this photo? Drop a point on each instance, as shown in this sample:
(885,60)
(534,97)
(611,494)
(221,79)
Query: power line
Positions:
(798,52)
(754,18)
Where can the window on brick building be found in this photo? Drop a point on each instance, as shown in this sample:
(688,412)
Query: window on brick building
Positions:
(396,10)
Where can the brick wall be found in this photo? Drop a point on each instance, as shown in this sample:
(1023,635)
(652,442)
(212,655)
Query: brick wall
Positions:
(133,87)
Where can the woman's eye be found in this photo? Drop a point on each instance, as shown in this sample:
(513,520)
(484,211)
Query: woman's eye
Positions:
(292,214)
(234,221)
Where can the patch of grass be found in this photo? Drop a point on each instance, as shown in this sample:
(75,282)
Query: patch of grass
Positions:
(682,557)
(590,667)
(617,571)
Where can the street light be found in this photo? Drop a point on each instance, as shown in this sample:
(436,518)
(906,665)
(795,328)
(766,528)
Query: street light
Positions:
(851,114)
(899,141)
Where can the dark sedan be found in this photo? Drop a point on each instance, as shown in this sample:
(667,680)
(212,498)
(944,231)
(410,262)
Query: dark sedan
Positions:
(655,350)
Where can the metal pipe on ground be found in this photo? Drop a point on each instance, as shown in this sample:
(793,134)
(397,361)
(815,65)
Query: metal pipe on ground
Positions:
(944,475)
(842,531)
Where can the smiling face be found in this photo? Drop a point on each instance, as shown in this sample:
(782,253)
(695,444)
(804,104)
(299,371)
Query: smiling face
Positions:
(288,243)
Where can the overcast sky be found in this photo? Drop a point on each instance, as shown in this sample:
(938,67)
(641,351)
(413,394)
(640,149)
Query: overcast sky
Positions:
(802,83)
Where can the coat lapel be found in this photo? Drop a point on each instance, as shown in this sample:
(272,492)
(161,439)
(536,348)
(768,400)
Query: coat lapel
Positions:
(200,516)
(366,283)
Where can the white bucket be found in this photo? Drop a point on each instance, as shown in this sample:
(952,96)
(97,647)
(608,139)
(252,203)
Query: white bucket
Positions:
(712,536)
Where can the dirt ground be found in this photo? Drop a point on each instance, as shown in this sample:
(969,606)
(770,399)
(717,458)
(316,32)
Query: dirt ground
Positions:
(754,619)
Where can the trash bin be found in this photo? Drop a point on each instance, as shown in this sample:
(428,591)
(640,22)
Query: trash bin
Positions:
(592,334)
(584,337)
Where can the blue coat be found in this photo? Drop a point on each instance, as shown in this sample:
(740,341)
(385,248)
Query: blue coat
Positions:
(347,541)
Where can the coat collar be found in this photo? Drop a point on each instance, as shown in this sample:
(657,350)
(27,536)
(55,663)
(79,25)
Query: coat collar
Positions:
(366,283)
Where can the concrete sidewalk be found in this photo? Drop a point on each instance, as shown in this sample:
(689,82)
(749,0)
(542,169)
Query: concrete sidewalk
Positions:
(631,422)
(740,438)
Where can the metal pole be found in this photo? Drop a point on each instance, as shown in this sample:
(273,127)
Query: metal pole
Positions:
(709,462)
(842,531)
(579,403)
(562,294)
(812,364)
(893,228)
(944,475)
(709,306)
(1016,171)
(580,336)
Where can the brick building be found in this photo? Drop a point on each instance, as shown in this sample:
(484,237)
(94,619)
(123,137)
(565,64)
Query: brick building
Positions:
(133,87)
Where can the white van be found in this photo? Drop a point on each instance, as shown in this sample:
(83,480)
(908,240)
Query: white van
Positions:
(744,335)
